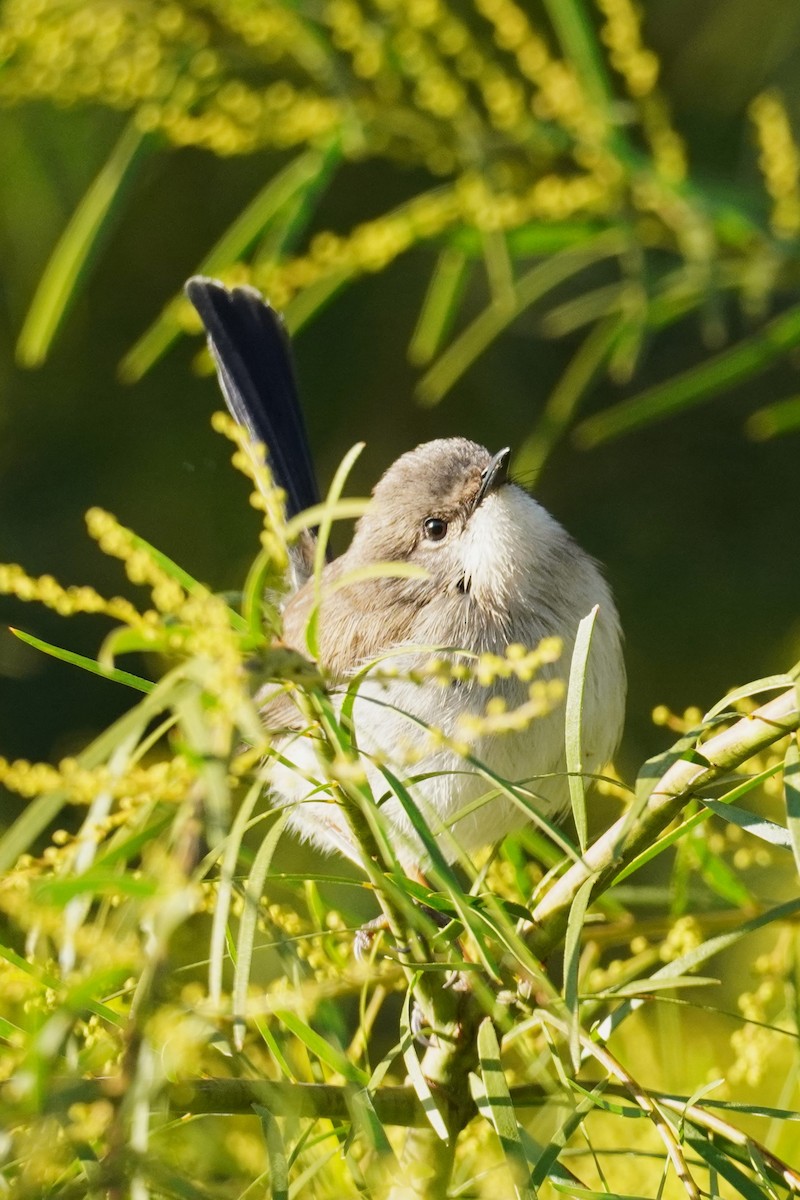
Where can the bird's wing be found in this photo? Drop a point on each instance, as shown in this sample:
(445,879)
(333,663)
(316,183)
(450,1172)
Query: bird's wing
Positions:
(254,363)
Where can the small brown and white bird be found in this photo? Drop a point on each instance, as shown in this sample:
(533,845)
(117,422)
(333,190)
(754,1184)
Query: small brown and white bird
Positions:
(497,570)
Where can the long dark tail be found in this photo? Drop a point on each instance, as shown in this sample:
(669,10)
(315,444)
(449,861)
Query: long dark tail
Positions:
(254,363)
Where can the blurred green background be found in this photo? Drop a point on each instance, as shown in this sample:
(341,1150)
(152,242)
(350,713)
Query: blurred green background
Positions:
(695,522)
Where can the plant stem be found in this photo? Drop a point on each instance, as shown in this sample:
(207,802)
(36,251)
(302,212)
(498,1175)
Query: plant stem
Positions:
(623,841)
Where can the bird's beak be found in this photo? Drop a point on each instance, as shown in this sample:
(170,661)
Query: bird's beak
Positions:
(494,476)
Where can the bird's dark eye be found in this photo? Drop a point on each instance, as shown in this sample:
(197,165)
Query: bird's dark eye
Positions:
(435,528)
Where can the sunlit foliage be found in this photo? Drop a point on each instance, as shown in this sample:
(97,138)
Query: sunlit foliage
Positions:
(546,142)
(158,966)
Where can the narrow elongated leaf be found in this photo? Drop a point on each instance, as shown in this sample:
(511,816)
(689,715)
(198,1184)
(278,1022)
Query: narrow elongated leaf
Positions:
(248,922)
(700,954)
(439,306)
(491,1095)
(303,307)
(577,37)
(675,835)
(95,882)
(771,683)
(86,664)
(562,403)
(304,172)
(190,585)
(547,1167)
(276,1153)
(760,827)
(481,332)
(716,873)
(418,1080)
(791,785)
(645,987)
(573,723)
(41,811)
(442,870)
(321,548)
(219,924)
(572,953)
(773,419)
(367,1122)
(322,1048)
(716,1158)
(69,262)
(45,980)
(29,826)
(741,362)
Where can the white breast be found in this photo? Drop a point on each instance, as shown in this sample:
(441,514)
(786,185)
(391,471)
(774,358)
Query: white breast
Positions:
(526,580)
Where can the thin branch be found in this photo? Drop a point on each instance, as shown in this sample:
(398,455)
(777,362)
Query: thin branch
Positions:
(623,841)
(641,1097)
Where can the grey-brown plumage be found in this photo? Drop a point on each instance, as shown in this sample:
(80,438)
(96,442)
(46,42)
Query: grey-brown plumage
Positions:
(498,569)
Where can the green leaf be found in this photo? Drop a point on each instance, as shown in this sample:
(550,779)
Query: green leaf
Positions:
(773,419)
(190,585)
(769,684)
(721,372)
(230,856)
(323,537)
(418,1080)
(86,664)
(46,980)
(481,332)
(700,954)
(96,882)
(322,1049)
(303,173)
(367,1124)
(491,1095)
(70,260)
(719,875)
(306,304)
(716,1158)
(441,870)
(547,1167)
(439,307)
(29,826)
(276,1153)
(646,987)
(576,34)
(675,835)
(41,811)
(573,720)
(760,827)
(562,403)
(791,787)
(572,954)
(253,890)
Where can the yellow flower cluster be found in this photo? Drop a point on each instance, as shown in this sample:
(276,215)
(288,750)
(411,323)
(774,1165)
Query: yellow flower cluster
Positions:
(267,498)
(779,159)
(156,59)
(139,560)
(480,98)
(517,663)
(198,623)
(14,581)
(559,96)
(770,1003)
(469,201)
(684,936)
(543,697)
(621,32)
(167,781)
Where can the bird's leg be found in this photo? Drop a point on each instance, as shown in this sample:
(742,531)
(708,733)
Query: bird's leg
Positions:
(367,934)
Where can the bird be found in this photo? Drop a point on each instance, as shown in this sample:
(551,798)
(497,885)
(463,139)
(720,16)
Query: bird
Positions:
(494,570)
